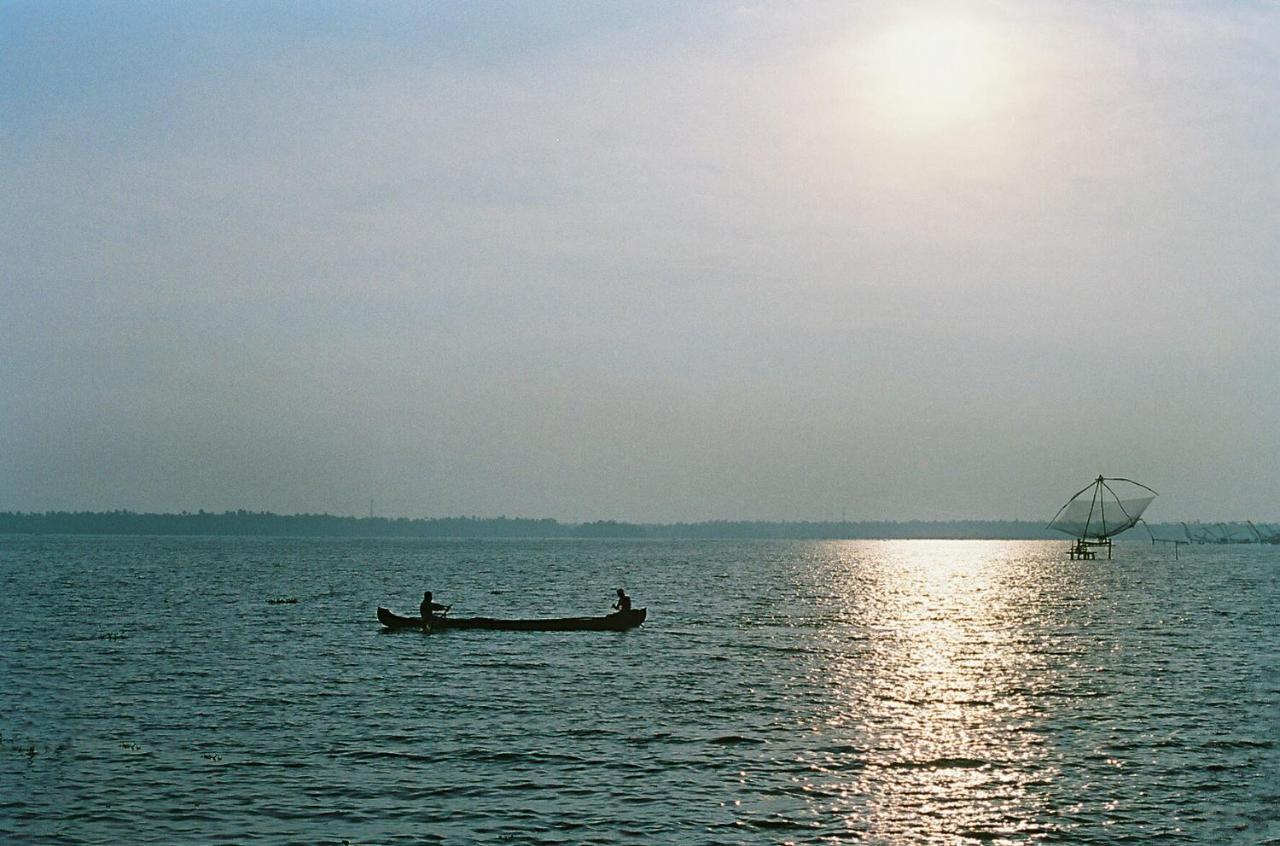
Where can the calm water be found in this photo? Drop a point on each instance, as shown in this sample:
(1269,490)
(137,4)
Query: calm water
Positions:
(883,692)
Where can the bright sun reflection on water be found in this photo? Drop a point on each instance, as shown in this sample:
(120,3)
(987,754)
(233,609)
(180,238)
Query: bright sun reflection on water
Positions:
(934,697)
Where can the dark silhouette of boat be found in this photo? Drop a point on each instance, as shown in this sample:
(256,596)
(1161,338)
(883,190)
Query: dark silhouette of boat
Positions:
(617,622)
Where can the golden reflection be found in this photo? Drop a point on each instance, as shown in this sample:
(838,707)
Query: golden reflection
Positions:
(929,682)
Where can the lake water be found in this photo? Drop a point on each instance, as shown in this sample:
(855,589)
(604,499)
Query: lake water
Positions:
(803,692)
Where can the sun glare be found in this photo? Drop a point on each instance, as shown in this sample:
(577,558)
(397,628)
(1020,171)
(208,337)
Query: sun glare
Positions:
(930,72)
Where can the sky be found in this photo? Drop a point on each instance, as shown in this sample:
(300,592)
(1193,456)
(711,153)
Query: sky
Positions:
(644,261)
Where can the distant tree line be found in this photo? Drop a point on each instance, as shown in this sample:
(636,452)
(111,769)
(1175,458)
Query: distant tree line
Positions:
(327,525)
(265,523)
(859,530)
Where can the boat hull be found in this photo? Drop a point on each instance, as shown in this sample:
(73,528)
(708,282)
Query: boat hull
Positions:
(620,621)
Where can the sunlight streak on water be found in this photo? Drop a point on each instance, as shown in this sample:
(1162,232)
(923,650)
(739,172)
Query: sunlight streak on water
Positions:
(922,704)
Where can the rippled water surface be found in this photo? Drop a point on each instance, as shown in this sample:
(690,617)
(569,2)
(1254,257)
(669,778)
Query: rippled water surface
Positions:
(882,692)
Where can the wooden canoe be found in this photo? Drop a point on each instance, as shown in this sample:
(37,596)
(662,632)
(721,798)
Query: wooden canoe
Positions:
(619,621)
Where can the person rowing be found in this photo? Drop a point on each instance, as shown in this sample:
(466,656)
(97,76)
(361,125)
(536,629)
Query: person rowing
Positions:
(624,602)
(428,607)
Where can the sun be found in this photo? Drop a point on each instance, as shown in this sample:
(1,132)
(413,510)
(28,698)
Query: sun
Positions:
(929,72)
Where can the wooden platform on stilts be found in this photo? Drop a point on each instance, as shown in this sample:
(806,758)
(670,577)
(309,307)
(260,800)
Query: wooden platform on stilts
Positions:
(1086,550)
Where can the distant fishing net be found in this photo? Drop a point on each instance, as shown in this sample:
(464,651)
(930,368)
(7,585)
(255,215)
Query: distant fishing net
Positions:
(1103,509)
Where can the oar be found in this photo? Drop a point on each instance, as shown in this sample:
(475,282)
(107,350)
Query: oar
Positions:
(426,627)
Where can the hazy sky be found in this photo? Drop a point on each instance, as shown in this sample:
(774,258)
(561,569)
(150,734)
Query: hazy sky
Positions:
(646,261)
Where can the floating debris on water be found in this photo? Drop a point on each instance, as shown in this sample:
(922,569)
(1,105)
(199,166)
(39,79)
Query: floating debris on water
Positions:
(27,749)
(293,600)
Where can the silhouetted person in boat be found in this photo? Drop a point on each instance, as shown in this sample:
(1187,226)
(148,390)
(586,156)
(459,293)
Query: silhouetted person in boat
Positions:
(428,607)
(624,601)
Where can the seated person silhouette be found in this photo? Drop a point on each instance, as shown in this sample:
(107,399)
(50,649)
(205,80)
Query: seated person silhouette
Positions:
(428,608)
